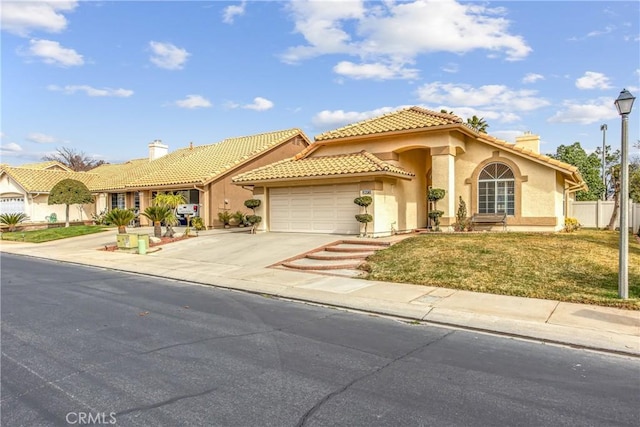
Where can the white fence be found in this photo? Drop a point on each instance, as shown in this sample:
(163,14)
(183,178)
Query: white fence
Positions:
(598,214)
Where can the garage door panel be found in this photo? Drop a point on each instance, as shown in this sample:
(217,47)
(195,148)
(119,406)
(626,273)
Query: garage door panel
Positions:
(316,209)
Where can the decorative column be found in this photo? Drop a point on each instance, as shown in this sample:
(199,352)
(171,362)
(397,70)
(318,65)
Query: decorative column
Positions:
(443,176)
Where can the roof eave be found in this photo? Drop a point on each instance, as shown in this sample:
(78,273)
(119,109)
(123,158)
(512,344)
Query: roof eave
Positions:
(376,174)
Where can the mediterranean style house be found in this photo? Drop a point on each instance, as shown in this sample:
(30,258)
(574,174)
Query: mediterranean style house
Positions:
(396,158)
(202,174)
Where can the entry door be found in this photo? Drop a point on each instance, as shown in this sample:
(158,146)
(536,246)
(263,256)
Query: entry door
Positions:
(315,209)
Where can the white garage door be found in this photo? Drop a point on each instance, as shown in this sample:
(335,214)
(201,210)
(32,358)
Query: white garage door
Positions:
(315,209)
(11,204)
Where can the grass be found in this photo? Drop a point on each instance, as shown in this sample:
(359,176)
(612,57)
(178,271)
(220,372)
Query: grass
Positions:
(577,267)
(48,234)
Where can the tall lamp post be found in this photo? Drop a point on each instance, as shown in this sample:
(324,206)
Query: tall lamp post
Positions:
(603,128)
(624,103)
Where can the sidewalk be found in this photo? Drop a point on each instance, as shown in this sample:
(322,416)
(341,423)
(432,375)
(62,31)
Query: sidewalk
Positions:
(239,261)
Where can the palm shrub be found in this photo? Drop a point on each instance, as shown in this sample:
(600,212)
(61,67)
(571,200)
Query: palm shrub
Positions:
(157,214)
(197,223)
(365,218)
(224,217)
(120,218)
(171,201)
(13,219)
(239,218)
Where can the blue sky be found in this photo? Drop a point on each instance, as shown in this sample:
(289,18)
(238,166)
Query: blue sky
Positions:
(108,77)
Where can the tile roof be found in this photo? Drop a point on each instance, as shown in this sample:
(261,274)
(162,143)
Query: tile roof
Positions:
(411,118)
(323,166)
(43,180)
(192,165)
(203,164)
(572,171)
(416,118)
(49,164)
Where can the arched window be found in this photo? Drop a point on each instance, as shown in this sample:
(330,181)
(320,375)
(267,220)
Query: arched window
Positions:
(496,189)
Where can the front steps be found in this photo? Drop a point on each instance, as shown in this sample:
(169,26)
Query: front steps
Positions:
(341,258)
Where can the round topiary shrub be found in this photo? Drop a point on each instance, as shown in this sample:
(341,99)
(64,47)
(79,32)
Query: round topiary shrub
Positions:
(363,201)
(364,218)
(252,203)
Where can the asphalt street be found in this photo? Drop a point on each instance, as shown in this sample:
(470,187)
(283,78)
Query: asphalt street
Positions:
(91,344)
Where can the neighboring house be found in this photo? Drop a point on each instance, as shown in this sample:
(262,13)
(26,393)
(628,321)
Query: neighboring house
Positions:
(396,158)
(201,173)
(25,189)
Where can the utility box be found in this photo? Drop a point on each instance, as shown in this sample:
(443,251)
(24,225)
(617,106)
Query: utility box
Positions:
(143,243)
(127,241)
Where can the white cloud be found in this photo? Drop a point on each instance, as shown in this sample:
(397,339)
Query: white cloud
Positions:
(585,113)
(259,104)
(22,17)
(41,138)
(337,118)
(168,56)
(53,53)
(10,148)
(230,12)
(91,91)
(504,101)
(377,71)
(396,33)
(451,68)
(532,78)
(593,80)
(193,101)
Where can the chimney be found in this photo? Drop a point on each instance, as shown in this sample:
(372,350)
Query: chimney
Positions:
(530,141)
(157,149)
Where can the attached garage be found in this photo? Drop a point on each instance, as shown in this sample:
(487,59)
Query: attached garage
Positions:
(314,209)
(11,205)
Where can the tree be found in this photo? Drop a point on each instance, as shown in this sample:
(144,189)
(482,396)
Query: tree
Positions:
(74,160)
(120,218)
(365,218)
(588,165)
(611,159)
(171,201)
(157,214)
(478,123)
(69,192)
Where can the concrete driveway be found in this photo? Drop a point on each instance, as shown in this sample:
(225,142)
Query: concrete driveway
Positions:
(233,247)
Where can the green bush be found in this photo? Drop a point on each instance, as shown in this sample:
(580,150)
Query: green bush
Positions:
(238,217)
(571,225)
(252,204)
(120,218)
(363,201)
(462,222)
(197,223)
(435,194)
(253,221)
(364,218)
(435,216)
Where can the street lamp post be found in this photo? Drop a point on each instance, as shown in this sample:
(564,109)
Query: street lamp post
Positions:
(624,103)
(603,128)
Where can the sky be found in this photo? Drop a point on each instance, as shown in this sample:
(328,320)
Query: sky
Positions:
(106,78)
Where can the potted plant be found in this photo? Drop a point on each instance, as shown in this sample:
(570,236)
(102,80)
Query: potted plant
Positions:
(224,217)
(238,218)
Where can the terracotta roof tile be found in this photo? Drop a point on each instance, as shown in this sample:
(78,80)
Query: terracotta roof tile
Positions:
(405,119)
(43,180)
(337,165)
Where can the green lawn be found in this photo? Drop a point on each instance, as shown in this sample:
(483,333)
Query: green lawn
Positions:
(48,234)
(577,267)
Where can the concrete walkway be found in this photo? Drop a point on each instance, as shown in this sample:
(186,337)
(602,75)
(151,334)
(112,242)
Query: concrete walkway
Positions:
(238,260)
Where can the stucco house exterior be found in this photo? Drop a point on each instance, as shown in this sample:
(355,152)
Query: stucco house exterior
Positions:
(395,158)
(25,189)
(201,173)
